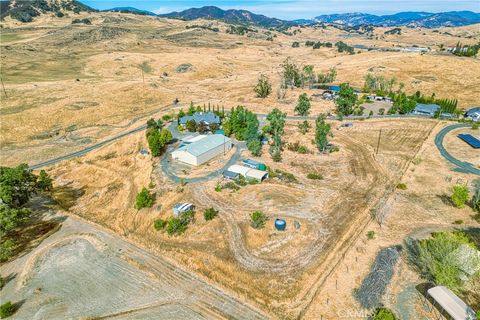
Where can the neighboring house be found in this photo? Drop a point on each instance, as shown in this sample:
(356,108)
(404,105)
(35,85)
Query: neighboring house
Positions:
(254,164)
(206,117)
(202,148)
(249,173)
(426,109)
(472,113)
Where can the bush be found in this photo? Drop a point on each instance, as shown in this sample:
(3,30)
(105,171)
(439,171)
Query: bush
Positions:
(459,196)
(210,213)
(263,87)
(314,176)
(166,117)
(474,126)
(458,222)
(175,226)
(383,314)
(144,199)
(159,224)
(402,186)
(6,249)
(191,125)
(295,44)
(371,235)
(218,188)
(304,126)
(6,310)
(258,219)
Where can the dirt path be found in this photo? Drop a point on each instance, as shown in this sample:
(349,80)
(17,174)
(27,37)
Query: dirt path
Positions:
(86,271)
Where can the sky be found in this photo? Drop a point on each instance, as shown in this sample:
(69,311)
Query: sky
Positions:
(295,9)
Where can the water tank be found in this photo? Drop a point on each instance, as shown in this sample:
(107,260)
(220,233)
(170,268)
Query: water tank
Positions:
(262,167)
(280,224)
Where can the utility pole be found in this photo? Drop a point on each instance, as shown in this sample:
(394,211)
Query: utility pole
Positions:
(3,86)
(378,143)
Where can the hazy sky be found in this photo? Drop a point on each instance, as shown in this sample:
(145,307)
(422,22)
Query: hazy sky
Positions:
(296,9)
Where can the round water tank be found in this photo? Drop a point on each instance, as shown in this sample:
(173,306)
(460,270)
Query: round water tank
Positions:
(280,224)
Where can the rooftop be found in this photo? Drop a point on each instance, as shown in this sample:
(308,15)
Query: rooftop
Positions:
(207,117)
(204,144)
(426,108)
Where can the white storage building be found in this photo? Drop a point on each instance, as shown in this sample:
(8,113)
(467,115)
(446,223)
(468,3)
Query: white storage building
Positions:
(248,173)
(202,148)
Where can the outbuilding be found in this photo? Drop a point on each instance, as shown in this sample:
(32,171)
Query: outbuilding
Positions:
(249,173)
(180,208)
(230,175)
(206,117)
(254,164)
(202,148)
(451,303)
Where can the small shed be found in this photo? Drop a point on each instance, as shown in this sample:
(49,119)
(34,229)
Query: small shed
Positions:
(182,207)
(230,175)
(254,164)
(249,173)
(451,303)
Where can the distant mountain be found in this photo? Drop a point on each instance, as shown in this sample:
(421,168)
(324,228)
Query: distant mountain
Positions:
(26,10)
(416,19)
(230,16)
(130,10)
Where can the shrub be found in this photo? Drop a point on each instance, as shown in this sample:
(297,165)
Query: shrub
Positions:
(166,117)
(218,188)
(210,213)
(474,126)
(459,196)
(402,186)
(383,314)
(314,176)
(263,87)
(6,310)
(231,185)
(258,219)
(304,126)
(371,235)
(295,44)
(175,226)
(458,222)
(159,224)
(144,199)
(191,125)
(6,249)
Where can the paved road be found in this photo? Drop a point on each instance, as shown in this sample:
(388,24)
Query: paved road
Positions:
(461,166)
(175,133)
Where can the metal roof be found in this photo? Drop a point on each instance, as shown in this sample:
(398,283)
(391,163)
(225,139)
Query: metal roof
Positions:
(230,174)
(248,172)
(207,117)
(471,111)
(426,108)
(452,304)
(205,144)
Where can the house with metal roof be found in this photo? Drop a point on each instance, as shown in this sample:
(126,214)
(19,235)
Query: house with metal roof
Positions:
(426,109)
(205,117)
(202,149)
(472,112)
(451,303)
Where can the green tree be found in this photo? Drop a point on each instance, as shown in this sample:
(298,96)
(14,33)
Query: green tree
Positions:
(181,114)
(10,218)
(322,130)
(191,110)
(304,127)
(476,195)
(159,224)
(210,213)
(263,88)
(255,147)
(309,74)
(144,199)
(276,120)
(6,310)
(157,141)
(17,185)
(346,100)
(258,219)
(303,105)
(191,125)
(291,74)
(176,226)
(460,195)
(44,181)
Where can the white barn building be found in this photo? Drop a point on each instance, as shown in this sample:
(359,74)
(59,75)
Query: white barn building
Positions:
(201,149)
(249,173)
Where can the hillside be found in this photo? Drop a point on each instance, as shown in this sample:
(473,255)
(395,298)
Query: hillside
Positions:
(25,11)
(230,16)
(412,19)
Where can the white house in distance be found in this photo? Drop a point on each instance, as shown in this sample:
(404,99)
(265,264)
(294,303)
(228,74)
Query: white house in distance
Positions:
(202,148)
